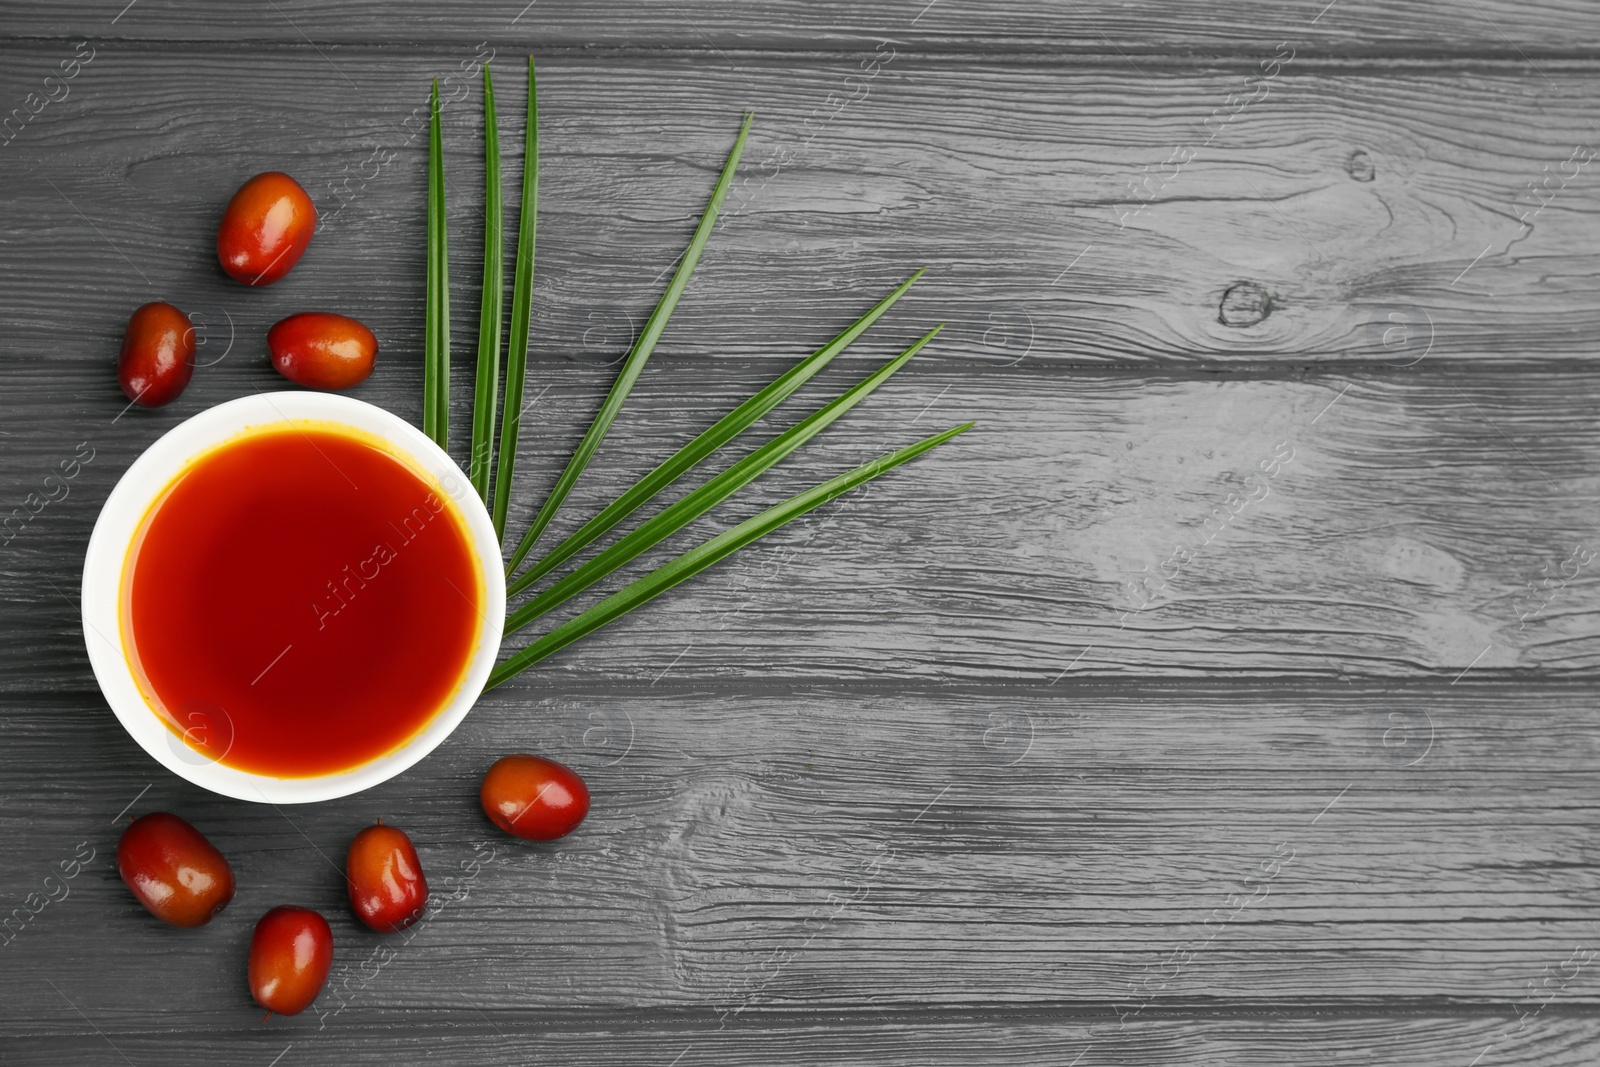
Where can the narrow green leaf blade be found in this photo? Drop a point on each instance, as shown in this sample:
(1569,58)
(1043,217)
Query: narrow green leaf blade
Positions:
(725,430)
(436,343)
(711,552)
(635,361)
(521,312)
(696,503)
(488,381)
(430,318)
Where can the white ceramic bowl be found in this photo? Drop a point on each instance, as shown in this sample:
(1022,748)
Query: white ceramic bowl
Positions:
(119,521)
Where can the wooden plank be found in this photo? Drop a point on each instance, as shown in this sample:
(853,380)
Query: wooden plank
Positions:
(928,780)
(1301,230)
(878,1038)
(1152,847)
(1122,525)
(1054,27)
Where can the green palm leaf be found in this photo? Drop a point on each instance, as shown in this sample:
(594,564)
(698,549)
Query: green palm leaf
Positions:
(725,430)
(484,456)
(483,399)
(521,312)
(635,361)
(690,507)
(711,552)
(436,334)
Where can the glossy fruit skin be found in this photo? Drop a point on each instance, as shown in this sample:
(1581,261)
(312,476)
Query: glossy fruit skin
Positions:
(265,229)
(387,887)
(157,357)
(534,798)
(291,953)
(177,874)
(321,350)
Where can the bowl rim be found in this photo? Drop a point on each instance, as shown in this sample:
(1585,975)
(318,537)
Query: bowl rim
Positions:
(123,513)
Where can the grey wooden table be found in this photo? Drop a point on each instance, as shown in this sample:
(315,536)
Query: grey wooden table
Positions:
(1227,698)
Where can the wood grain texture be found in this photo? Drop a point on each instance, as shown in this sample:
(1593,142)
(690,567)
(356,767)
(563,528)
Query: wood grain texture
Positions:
(1095,28)
(880,1038)
(976,766)
(908,848)
(1109,524)
(1337,218)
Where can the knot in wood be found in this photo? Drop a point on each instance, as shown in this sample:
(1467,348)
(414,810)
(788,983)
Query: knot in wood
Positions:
(1244,304)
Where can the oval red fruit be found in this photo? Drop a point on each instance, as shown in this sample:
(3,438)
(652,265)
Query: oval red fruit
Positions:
(157,357)
(387,887)
(291,953)
(265,229)
(533,797)
(177,874)
(321,350)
